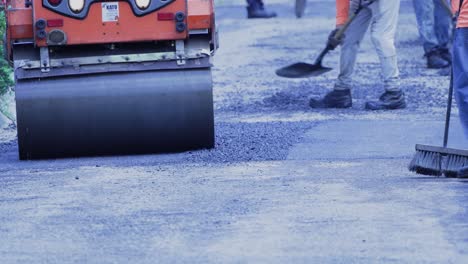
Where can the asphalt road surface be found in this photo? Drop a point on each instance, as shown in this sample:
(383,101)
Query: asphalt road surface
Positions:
(284,184)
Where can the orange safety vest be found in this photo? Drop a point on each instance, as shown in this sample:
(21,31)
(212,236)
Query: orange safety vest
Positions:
(463,16)
(342,11)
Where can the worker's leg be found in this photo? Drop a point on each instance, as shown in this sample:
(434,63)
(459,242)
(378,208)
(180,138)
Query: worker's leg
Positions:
(383,30)
(460,81)
(350,48)
(425,16)
(340,97)
(424,10)
(443,24)
(460,74)
(256,9)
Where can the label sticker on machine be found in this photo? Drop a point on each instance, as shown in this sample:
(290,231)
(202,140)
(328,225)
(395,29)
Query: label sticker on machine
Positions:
(110,11)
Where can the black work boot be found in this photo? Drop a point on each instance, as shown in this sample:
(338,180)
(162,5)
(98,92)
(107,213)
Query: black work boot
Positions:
(388,101)
(435,60)
(256,9)
(445,54)
(334,99)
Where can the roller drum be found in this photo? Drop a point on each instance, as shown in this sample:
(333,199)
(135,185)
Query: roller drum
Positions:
(118,113)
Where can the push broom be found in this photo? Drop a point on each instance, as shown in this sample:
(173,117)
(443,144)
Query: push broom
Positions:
(433,160)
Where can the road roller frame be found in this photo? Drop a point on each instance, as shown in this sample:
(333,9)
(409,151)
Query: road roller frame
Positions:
(102,78)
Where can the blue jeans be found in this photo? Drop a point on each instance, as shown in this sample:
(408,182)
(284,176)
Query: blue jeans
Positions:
(460,74)
(434,23)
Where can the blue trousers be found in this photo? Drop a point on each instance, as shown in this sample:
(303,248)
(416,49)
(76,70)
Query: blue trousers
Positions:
(433,23)
(460,74)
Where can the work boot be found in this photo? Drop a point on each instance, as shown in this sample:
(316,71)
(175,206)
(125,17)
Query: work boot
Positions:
(256,9)
(435,60)
(463,172)
(334,99)
(445,54)
(388,101)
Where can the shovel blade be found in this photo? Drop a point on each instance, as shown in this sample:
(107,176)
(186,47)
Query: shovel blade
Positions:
(302,70)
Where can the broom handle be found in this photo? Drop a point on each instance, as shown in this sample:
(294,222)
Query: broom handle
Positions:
(449,110)
(450,97)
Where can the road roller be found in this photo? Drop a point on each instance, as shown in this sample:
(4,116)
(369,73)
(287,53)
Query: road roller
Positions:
(98,77)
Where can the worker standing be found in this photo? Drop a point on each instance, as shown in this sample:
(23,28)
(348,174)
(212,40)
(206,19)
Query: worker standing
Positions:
(382,16)
(256,9)
(434,28)
(460,66)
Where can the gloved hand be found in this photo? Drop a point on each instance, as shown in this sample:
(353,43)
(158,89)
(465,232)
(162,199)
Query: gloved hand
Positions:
(356,4)
(334,42)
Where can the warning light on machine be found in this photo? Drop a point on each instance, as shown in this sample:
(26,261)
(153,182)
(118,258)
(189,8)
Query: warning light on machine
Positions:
(165,16)
(55,23)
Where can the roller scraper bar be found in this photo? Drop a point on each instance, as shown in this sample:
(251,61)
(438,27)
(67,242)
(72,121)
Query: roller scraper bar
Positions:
(118,113)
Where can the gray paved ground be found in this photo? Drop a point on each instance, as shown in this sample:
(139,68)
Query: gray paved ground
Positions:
(284,184)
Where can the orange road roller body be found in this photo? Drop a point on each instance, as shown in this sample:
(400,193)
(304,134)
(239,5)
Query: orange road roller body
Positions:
(100,77)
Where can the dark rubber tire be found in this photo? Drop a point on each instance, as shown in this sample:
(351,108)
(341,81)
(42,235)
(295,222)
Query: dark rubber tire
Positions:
(115,114)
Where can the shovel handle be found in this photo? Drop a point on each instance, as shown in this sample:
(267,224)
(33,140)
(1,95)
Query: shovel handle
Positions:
(338,35)
(341,31)
(324,52)
(351,18)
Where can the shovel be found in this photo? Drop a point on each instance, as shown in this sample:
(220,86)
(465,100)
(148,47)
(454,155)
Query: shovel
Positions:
(303,69)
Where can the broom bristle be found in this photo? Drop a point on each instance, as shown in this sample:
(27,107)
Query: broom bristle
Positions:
(453,163)
(427,163)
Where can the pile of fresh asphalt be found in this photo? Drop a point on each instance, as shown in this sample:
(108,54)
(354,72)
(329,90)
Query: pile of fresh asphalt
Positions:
(237,142)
